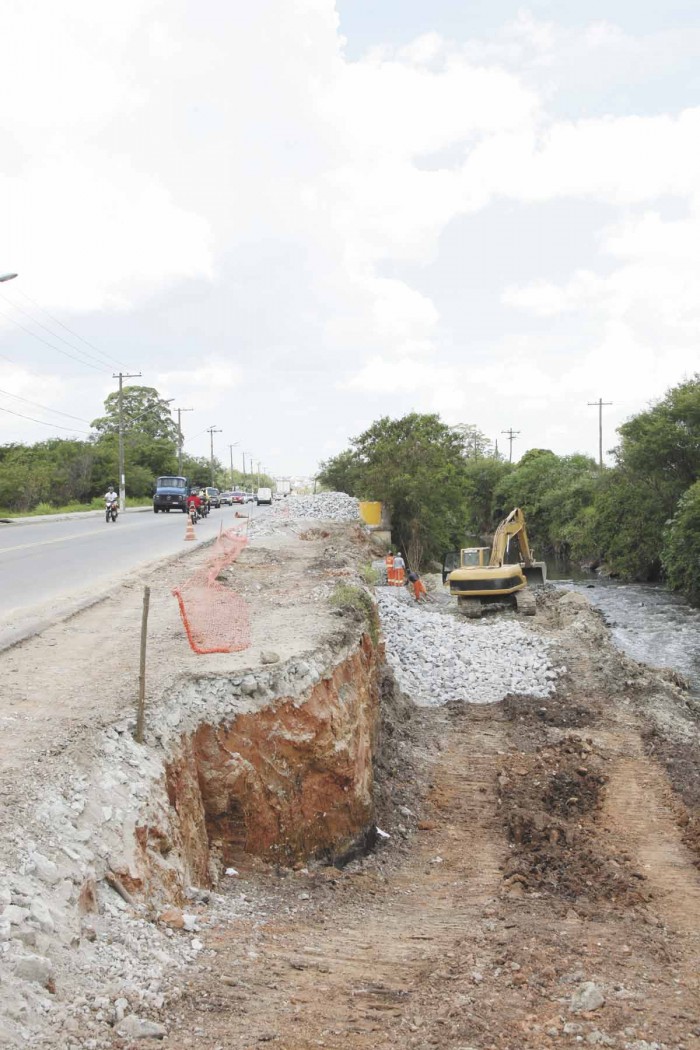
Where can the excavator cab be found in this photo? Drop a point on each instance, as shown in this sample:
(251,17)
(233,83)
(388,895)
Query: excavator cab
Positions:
(467,556)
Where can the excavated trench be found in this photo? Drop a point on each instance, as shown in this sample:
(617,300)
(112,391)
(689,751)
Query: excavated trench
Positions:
(286,783)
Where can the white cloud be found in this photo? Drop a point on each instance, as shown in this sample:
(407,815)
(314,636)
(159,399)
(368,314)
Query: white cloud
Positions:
(222,175)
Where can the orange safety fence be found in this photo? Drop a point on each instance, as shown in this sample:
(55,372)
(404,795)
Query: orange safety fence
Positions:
(216,619)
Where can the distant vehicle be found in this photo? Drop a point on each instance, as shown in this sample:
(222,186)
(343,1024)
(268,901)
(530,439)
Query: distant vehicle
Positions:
(250,497)
(225,498)
(284,487)
(264,496)
(170,494)
(238,497)
(214,496)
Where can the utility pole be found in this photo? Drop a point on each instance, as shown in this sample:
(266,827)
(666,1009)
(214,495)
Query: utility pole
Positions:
(600,405)
(121,376)
(244,485)
(211,431)
(511,434)
(231,448)
(179,436)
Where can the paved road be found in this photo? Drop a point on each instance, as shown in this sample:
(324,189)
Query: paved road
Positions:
(48,567)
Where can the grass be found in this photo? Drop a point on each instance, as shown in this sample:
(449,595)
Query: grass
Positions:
(69,508)
(346,595)
(369,574)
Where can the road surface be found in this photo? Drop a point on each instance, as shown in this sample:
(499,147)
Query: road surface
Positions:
(49,567)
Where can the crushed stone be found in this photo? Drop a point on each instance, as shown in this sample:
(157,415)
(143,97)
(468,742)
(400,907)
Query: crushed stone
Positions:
(437,658)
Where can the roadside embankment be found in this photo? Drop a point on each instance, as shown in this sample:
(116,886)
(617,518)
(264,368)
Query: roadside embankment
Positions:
(301,850)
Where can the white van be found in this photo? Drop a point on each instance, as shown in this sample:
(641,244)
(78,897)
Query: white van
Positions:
(264,496)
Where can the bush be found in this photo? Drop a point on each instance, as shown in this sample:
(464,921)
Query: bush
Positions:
(681,552)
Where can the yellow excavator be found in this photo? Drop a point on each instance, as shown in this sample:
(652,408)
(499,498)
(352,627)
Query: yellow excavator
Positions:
(505,573)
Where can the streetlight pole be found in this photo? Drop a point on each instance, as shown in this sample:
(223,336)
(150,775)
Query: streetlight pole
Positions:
(231,448)
(244,487)
(179,436)
(211,431)
(122,481)
(7,277)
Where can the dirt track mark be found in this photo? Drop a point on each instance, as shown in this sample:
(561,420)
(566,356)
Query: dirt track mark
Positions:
(638,804)
(360,976)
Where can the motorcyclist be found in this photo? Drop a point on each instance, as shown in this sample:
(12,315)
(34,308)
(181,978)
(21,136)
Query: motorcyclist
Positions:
(110,495)
(206,502)
(195,501)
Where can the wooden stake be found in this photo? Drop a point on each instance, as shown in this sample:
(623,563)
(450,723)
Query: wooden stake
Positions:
(141,710)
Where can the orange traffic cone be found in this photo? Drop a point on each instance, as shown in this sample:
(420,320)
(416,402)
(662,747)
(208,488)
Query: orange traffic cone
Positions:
(189,531)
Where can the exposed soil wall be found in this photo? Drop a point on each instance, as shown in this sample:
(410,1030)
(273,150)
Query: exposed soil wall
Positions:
(291,781)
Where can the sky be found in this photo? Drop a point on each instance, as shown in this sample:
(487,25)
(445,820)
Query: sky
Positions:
(294,217)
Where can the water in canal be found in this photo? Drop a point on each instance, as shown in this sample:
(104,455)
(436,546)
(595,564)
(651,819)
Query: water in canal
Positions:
(647,621)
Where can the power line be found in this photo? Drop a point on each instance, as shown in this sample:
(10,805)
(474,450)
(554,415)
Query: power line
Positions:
(26,313)
(57,348)
(56,321)
(54,426)
(44,408)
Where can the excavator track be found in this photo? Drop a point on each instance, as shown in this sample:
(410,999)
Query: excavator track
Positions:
(525,602)
(470,607)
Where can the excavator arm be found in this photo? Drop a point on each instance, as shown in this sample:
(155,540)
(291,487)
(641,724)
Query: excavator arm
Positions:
(513,528)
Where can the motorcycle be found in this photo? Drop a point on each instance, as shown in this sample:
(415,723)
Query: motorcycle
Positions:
(111,510)
(195,513)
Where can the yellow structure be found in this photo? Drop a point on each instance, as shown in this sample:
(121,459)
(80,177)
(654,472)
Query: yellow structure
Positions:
(371,512)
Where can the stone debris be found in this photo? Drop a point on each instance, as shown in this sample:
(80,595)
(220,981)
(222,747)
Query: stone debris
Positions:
(438,658)
(587,996)
(133,1027)
(324,506)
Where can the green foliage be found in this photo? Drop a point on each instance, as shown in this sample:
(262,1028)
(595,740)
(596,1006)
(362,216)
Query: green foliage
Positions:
(681,550)
(482,478)
(554,493)
(345,595)
(416,466)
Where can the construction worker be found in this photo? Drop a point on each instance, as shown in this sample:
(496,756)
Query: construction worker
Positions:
(399,570)
(419,591)
(389,568)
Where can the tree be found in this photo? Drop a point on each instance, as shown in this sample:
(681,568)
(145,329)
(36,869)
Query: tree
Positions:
(150,438)
(145,412)
(416,466)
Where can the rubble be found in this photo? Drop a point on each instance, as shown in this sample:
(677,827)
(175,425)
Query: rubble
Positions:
(438,658)
(323,506)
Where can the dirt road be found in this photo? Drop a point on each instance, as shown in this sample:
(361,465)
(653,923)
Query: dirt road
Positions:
(543,890)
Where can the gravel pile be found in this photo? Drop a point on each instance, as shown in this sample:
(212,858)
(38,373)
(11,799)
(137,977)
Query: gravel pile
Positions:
(437,657)
(324,506)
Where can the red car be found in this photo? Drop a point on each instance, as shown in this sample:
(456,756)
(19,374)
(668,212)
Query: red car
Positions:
(238,497)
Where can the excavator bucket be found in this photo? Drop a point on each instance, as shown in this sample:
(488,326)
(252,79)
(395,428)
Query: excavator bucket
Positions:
(535,573)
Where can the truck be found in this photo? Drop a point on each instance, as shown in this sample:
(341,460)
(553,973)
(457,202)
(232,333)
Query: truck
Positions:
(170,493)
(283,486)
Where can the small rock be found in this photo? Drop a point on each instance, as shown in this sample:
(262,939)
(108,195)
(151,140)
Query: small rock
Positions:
(34,968)
(248,685)
(587,996)
(133,1027)
(173,918)
(44,868)
(267,656)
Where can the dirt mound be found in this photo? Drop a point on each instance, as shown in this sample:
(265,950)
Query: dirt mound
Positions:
(551,800)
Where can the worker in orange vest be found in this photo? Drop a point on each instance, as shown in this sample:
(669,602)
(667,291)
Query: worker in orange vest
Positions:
(399,570)
(389,568)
